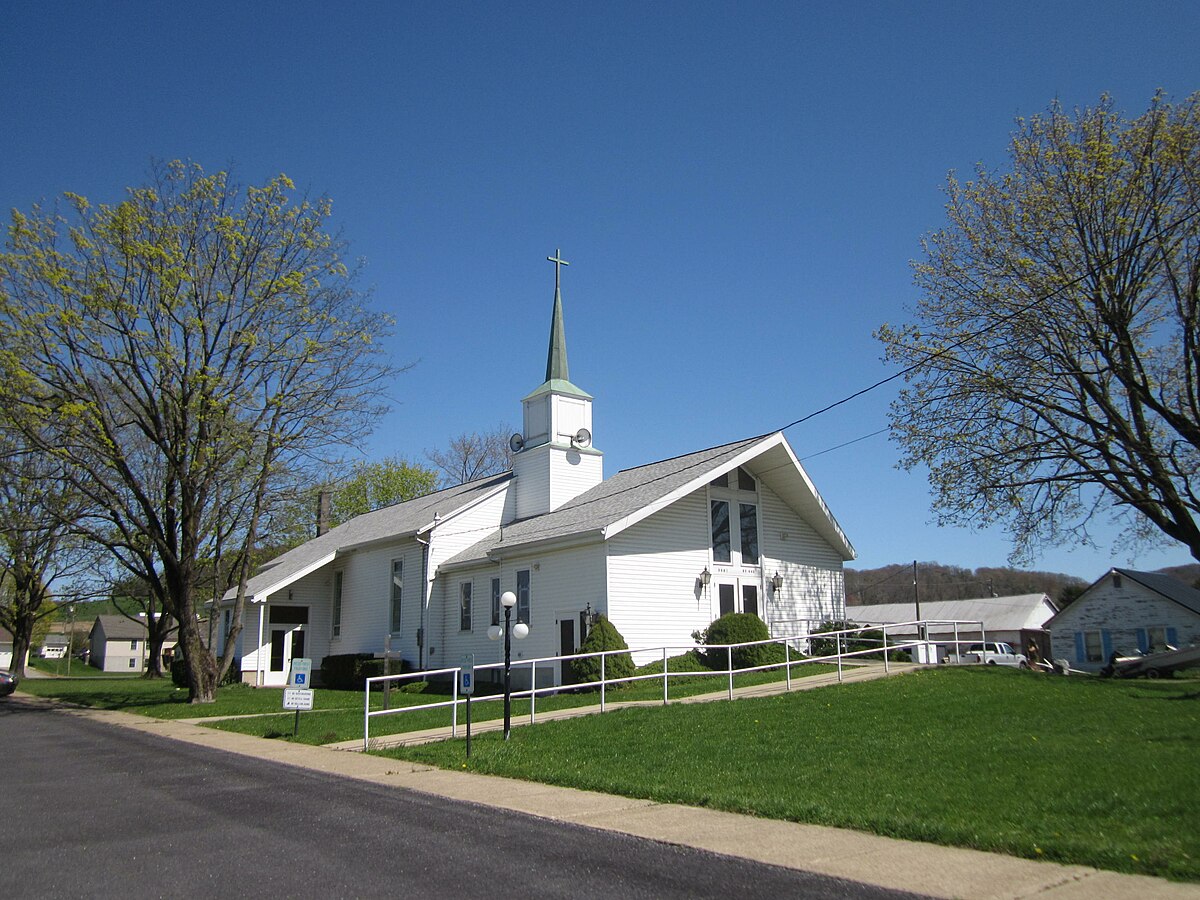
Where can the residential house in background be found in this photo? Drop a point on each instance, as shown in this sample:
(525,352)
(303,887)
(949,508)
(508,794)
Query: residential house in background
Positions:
(1122,612)
(661,550)
(119,644)
(1019,620)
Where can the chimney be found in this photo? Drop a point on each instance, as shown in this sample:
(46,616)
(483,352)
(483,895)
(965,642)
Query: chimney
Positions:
(323,502)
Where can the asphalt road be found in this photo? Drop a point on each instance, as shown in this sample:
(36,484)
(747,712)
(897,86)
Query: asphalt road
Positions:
(94,810)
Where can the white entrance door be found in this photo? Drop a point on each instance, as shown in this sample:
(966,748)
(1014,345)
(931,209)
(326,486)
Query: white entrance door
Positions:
(287,643)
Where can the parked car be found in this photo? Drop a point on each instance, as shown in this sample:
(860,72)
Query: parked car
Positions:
(8,684)
(995,653)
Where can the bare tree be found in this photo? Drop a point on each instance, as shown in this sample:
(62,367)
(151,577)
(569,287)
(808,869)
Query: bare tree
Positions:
(474,455)
(1054,358)
(186,348)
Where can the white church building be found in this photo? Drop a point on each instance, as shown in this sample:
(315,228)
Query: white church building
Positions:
(661,550)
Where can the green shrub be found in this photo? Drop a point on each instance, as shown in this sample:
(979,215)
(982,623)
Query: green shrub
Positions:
(862,640)
(603,636)
(179,672)
(349,671)
(739,628)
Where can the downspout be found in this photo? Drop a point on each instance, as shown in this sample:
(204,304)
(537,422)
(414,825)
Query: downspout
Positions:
(421,634)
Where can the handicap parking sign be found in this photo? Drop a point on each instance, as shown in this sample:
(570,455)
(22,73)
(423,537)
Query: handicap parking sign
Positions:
(301,679)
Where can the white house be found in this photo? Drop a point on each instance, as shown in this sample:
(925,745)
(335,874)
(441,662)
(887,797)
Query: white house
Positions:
(1125,611)
(661,550)
(1019,619)
(118,644)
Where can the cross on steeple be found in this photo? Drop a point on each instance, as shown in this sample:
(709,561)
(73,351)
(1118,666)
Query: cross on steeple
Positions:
(558,264)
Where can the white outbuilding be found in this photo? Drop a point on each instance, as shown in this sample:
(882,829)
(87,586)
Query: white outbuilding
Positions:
(661,550)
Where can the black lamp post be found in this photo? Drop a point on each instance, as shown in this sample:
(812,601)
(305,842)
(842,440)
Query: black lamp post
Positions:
(508,600)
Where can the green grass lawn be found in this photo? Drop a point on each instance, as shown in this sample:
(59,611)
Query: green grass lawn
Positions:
(78,669)
(1077,770)
(338,715)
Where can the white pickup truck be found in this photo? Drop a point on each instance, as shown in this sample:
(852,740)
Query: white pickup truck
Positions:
(995,653)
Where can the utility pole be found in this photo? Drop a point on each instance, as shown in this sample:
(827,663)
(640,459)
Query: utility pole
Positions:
(917,600)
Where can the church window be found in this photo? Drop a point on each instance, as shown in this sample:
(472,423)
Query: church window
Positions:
(495,601)
(464,606)
(337,604)
(720,531)
(397,592)
(745,480)
(748,519)
(523,609)
(720,481)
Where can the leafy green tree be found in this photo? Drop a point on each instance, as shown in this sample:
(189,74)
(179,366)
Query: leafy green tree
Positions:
(183,352)
(368,486)
(1053,361)
(38,546)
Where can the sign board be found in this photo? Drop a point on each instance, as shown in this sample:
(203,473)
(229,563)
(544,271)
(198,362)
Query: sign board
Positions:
(300,673)
(297,698)
(466,677)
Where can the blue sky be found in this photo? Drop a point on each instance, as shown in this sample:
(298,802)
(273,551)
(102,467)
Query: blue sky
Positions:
(739,188)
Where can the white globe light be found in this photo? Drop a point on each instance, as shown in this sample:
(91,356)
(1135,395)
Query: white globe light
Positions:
(520,630)
(494,633)
(508,599)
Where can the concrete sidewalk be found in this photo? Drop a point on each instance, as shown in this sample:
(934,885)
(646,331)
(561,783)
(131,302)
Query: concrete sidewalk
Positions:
(921,868)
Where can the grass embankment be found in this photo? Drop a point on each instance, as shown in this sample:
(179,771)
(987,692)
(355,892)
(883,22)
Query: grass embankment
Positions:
(1077,770)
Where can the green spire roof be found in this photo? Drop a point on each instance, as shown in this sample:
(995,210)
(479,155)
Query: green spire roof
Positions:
(558,378)
(556,357)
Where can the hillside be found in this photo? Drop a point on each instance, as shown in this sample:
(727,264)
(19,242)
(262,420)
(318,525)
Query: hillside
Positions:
(894,583)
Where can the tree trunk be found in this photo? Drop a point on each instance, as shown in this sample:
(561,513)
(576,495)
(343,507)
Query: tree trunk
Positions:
(200,662)
(22,637)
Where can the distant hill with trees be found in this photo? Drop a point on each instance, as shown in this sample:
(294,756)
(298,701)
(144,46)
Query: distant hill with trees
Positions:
(894,583)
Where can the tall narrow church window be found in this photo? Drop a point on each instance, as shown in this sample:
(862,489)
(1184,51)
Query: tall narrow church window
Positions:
(495,601)
(337,604)
(748,518)
(523,596)
(464,606)
(720,531)
(397,592)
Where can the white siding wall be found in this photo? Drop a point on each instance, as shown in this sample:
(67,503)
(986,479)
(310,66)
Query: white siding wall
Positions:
(654,592)
(814,587)
(1118,613)
(562,584)
(549,476)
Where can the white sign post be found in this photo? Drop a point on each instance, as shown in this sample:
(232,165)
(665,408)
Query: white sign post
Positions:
(298,694)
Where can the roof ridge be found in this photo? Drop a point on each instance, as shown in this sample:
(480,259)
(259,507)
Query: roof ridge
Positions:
(659,462)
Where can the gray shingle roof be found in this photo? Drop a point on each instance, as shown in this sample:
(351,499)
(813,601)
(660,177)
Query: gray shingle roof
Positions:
(1012,613)
(393,521)
(119,628)
(1171,588)
(610,501)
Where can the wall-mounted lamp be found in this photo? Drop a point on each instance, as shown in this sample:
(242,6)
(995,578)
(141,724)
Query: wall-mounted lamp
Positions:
(705,577)
(777,581)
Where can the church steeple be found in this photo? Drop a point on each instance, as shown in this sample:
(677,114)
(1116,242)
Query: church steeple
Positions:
(555,460)
(556,357)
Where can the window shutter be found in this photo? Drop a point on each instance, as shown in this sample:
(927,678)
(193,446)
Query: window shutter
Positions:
(1080,652)
(1143,640)
(1172,637)
(1106,644)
